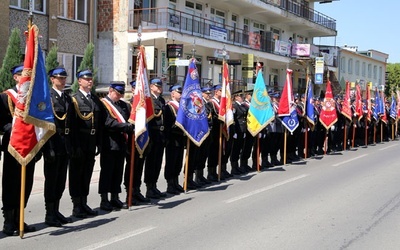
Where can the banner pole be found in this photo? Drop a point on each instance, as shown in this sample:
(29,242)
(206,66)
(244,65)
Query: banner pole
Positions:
(22,202)
(186,165)
(131,169)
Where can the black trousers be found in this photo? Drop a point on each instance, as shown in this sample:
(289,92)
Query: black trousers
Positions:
(11,182)
(111,171)
(80,174)
(237,147)
(137,170)
(55,174)
(154,157)
(173,160)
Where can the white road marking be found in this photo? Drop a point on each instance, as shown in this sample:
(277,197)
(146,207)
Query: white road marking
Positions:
(394,145)
(265,189)
(117,238)
(352,159)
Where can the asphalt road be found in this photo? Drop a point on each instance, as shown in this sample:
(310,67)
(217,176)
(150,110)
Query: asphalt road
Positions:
(346,201)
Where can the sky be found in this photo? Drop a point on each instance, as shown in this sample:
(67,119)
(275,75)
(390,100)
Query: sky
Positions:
(368,24)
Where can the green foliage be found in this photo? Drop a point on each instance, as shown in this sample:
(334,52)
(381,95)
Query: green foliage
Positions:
(87,63)
(51,60)
(13,57)
(393,78)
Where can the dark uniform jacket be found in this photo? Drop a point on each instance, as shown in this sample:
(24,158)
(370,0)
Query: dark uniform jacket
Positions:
(115,131)
(88,122)
(60,143)
(240,117)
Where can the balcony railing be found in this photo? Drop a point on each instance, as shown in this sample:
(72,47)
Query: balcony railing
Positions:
(186,23)
(303,11)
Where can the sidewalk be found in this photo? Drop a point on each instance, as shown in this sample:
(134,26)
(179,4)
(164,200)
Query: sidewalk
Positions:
(38,183)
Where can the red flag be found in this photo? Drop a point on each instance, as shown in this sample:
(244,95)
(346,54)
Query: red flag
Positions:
(368,98)
(328,115)
(359,110)
(287,100)
(33,121)
(346,110)
(225,111)
(383,108)
(142,104)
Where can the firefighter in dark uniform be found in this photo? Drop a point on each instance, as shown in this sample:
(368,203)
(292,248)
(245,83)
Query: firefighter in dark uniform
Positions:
(56,151)
(11,185)
(137,196)
(198,155)
(114,146)
(240,118)
(214,106)
(156,146)
(248,140)
(176,141)
(88,122)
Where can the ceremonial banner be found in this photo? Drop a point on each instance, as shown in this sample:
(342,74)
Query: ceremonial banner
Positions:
(359,110)
(368,99)
(287,106)
(225,111)
(384,118)
(33,122)
(310,104)
(192,116)
(142,104)
(377,108)
(346,110)
(398,103)
(328,115)
(261,112)
(393,108)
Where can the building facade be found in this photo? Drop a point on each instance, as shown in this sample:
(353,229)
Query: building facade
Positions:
(278,34)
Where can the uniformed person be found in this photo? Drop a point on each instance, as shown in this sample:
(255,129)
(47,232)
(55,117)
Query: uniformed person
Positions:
(56,151)
(240,118)
(11,181)
(176,141)
(248,140)
(156,146)
(198,155)
(88,122)
(114,146)
(137,196)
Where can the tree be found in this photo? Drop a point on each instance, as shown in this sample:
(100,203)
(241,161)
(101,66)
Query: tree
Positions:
(51,60)
(393,78)
(87,63)
(13,57)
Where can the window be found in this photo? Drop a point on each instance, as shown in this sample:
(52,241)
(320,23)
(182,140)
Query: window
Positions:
(350,66)
(37,5)
(357,68)
(380,75)
(343,64)
(375,72)
(369,70)
(73,9)
(363,69)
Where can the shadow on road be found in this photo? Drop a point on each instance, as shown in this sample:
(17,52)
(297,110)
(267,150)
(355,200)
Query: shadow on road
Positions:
(172,204)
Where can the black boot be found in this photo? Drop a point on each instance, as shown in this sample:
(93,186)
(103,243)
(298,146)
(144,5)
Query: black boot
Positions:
(177,186)
(9,227)
(78,210)
(191,185)
(151,192)
(161,194)
(60,216)
(225,173)
(87,209)
(116,202)
(171,187)
(50,217)
(137,195)
(201,176)
(212,174)
(197,178)
(235,169)
(105,203)
(27,228)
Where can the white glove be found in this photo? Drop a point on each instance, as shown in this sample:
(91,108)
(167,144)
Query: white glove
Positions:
(244,135)
(333,127)
(234,136)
